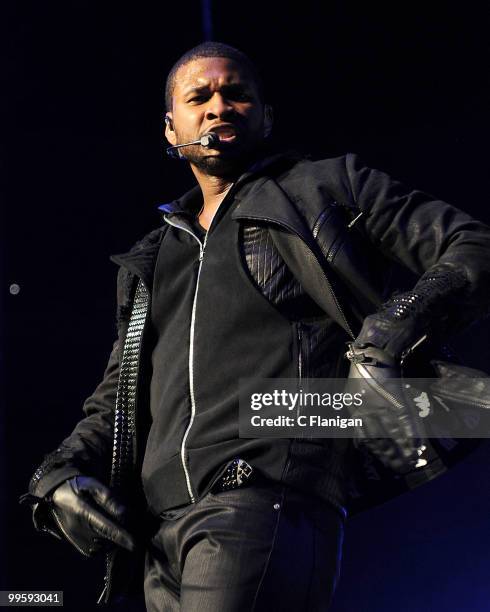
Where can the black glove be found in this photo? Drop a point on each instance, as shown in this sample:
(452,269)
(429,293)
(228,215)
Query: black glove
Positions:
(397,338)
(408,318)
(391,429)
(89,516)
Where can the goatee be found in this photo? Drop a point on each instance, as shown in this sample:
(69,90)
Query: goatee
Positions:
(220,165)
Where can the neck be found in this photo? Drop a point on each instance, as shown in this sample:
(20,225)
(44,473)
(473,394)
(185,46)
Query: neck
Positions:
(215,187)
(214,190)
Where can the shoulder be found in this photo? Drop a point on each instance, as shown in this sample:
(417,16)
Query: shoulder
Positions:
(316,186)
(148,240)
(143,251)
(339,165)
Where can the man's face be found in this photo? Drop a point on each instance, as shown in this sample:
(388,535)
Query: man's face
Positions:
(216,95)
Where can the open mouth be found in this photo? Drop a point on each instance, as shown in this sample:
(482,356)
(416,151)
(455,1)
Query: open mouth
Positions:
(225,133)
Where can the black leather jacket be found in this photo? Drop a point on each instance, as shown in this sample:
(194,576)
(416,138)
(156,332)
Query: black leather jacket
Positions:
(351,222)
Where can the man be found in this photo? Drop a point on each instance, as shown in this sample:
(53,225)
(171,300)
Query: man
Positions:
(265,269)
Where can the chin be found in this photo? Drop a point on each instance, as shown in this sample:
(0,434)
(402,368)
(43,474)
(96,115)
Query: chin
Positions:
(223,164)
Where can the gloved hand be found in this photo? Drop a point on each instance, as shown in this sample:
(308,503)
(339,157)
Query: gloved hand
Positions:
(89,516)
(391,429)
(395,337)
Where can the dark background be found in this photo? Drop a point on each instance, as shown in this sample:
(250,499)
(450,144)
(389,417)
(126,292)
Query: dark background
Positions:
(83,170)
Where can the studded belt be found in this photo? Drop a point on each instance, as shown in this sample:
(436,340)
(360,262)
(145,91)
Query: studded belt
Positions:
(238,473)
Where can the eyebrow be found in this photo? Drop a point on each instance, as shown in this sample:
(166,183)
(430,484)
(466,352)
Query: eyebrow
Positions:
(199,89)
(205,88)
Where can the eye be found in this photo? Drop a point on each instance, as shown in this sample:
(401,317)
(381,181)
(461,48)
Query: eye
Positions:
(197,99)
(241,97)
(238,94)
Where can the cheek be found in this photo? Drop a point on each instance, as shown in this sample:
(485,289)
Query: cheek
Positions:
(257,118)
(186,123)
(256,124)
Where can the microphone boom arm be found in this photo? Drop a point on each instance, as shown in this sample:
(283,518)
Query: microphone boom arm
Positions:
(208,141)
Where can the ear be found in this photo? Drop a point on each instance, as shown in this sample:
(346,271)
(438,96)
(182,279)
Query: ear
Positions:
(268,120)
(169,129)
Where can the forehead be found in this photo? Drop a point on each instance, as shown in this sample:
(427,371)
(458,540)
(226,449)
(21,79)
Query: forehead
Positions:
(210,71)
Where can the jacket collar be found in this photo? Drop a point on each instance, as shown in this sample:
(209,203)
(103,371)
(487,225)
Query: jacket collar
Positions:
(140,260)
(187,204)
(191,201)
(258,198)
(266,201)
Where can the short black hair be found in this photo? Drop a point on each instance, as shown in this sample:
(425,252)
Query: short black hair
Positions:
(211,49)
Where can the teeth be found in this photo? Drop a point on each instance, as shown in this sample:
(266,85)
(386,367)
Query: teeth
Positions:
(225,132)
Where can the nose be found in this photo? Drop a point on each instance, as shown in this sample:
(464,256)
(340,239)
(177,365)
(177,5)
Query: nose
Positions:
(218,107)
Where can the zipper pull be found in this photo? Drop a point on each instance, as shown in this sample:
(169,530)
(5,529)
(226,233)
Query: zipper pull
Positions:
(106,579)
(101,596)
(411,349)
(202,247)
(355,220)
(300,356)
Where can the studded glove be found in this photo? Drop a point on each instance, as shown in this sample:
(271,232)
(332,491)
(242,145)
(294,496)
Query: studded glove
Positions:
(407,319)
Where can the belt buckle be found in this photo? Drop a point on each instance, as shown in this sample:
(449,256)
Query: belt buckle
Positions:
(237,474)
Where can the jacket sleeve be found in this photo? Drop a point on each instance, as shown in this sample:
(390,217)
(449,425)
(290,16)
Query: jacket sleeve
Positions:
(445,247)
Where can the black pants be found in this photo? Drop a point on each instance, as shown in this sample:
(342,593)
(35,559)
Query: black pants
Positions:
(263,547)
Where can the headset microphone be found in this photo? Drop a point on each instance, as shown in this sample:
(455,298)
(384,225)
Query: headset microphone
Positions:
(208,141)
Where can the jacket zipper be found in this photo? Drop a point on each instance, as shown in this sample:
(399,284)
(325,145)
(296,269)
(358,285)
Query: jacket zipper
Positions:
(202,248)
(102,596)
(183,458)
(391,398)
(332,293)
(300,356)
(299,332)
(379,388)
